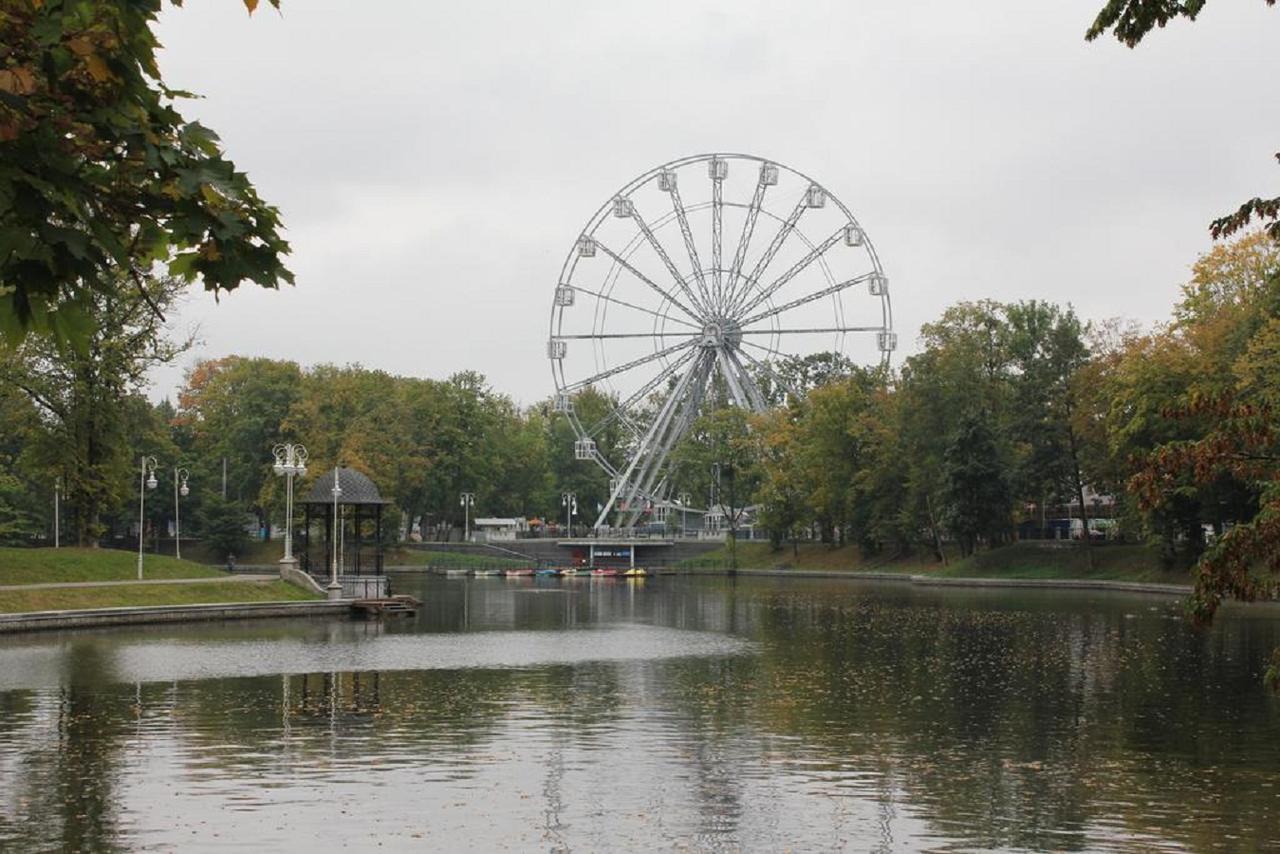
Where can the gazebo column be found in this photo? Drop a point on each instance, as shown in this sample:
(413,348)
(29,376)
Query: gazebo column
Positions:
(377,527)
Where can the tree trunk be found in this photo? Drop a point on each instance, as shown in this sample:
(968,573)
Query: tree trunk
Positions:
(1084,513)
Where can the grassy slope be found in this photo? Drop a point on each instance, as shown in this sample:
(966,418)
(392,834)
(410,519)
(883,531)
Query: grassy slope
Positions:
(15,601)
(1020,560)
(36,566)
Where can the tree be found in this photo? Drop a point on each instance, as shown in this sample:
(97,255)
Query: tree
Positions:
(977,495)
(221,524)
(232,409)
(1228,450)
(1047,349)
(101,178)
(1130,21)
(94,421)
(717,458)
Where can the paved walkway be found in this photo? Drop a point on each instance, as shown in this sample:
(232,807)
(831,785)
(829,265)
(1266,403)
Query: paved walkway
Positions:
(73,584)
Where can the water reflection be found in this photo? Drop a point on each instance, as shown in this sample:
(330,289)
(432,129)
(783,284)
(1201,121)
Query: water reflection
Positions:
(712,714)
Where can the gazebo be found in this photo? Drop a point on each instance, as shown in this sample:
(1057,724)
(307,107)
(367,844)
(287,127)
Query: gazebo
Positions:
(358,532)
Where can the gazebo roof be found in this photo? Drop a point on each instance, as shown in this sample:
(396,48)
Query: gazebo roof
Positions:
(356,489)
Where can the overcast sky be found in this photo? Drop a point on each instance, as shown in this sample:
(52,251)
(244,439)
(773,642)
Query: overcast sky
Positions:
(434,162)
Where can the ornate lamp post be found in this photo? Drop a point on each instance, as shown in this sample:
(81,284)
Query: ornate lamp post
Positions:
(180,476)
(57,512)
(291,461)
(569,501)
(335,586)
(467,500)
(146,480)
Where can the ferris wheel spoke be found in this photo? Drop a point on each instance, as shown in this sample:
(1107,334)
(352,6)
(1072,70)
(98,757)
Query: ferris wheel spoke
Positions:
(811,331)
(616,301)
(717,229)
(795,270)
(623,263)
(682,217)
(639,394)
(748,229)
(634,363)
(606,335)
(816,295)
(784,230)
(666,260)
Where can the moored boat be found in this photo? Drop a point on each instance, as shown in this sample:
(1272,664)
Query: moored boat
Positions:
(635,572)
(604,572)
(518,570)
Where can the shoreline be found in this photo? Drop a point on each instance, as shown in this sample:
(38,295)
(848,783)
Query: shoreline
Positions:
(1116,585)
(151,614)
(143,614)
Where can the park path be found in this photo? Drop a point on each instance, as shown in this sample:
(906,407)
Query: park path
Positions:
(59,585)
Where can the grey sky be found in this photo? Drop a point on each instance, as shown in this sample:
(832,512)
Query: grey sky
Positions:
(434,162)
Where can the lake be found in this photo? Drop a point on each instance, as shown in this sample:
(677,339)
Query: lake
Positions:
(677,713)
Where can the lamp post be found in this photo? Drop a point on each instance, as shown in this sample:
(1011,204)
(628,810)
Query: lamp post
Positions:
(335,586)
(57,510)
(684,514)
(180,476)
(569,501)
(146,480)
(291,461)
(467,500)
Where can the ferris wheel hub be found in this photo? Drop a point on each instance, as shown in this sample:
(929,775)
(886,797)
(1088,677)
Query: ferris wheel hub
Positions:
(722,333)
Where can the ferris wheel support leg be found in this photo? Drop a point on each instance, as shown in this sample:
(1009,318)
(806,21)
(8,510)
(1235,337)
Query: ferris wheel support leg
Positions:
(651,476)
(659,424)
(749,386)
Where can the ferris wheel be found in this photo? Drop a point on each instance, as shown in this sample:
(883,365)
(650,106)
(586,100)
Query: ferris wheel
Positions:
(693,282)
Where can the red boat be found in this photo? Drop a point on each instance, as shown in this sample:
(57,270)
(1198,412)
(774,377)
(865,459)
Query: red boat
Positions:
(604,571)
(519,570)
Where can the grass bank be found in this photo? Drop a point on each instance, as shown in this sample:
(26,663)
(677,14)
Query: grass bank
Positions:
(48,566)
(21,601)
(1018,560)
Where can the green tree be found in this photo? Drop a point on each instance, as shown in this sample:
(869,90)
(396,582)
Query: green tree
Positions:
(94,421)
(977,494)
(718,458)
(101,178)
(221,525)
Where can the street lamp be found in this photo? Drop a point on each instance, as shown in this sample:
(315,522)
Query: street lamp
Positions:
(569,501)
(335,586)
(57,511)
(179,488)
(467,500)
(291,461)
(146,480)
(684,513)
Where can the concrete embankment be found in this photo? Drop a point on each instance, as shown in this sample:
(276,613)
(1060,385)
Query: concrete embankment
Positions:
(99,617)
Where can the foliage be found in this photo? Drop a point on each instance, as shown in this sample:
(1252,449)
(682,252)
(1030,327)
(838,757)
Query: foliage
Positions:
(221,525)
(101,178)
(976,488)
(93,422)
